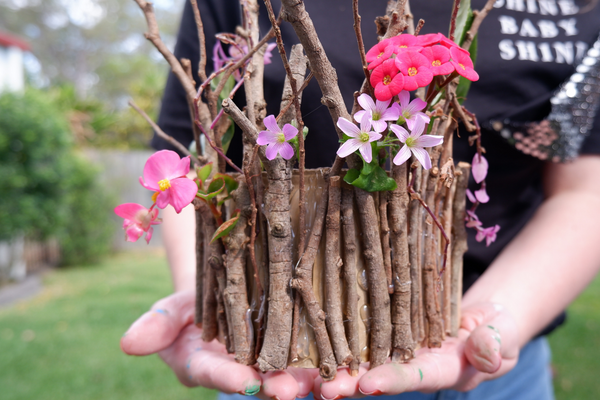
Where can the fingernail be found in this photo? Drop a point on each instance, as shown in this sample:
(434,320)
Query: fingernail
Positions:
(274,398)
(376,392)
(161,311)
(338,397)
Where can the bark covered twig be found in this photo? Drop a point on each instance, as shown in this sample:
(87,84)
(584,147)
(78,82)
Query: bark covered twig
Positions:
(459,238)
(402,339)
(333,267)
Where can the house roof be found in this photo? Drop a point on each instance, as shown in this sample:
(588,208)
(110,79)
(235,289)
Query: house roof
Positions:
(7,40)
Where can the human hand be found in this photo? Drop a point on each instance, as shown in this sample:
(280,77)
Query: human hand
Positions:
(486,348)
(168,329)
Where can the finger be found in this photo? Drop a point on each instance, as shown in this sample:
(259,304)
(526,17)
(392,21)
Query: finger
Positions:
(344,385)
(483,349)
(431,370)
(216,370)
(279,385)
(305,377)
(159,327)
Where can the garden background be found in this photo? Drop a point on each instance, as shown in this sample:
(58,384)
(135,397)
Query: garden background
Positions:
(70,150)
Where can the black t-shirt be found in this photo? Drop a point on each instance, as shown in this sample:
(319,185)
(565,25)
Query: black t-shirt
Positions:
(526,49)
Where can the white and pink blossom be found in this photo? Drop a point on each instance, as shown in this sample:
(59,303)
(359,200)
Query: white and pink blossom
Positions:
(360,139)
(414,142)
(410,111)
(378,112)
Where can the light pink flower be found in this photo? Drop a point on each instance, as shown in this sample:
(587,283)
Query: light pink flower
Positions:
(415,68)
(489,234)
(463,64)
(472,218)
(410,111)
(414,142)
(276,139)
(360,138)
(439,60)
(165,174)
(479,167)
(378,113)
(138,219)
(386,80)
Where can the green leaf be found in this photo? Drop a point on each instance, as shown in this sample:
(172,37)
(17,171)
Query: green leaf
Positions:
(226,226)
(464,19)
(295,142)
(204,172)
(226,89)
(230,183)
(227,136)
(371,178)
(216,186)
(464,84)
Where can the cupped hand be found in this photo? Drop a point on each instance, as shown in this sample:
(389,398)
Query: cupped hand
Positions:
(486,348)
(168,329)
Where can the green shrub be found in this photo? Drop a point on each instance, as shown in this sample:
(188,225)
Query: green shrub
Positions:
(46,189)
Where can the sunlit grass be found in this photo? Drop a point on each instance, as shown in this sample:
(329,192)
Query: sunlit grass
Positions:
(64,343)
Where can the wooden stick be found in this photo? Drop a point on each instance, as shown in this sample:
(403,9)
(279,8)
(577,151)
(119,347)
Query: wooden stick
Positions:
(333,268)
(460,243)
(385,239)
(200,263)
(379,300)
(415,251)
(349,273)
(402,339)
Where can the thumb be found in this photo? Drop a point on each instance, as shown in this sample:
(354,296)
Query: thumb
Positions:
(493,338)
(159,327)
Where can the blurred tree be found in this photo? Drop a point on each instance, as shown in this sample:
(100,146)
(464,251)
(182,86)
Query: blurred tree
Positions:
(96,52)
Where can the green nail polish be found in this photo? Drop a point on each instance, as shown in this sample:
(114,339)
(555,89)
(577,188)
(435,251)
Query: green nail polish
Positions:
(494,329)
(421,374)
(252,390)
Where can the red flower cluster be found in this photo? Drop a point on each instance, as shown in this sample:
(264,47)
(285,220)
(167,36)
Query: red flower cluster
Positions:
(408,62)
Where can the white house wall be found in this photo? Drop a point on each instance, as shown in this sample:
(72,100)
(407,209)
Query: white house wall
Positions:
(12,77)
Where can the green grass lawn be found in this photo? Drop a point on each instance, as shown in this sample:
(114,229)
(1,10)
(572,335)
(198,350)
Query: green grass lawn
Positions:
(576,348)
(64,343)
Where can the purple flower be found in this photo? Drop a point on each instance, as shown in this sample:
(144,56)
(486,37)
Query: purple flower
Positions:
(361,138)
(378,112)
(489,234)
(276,139)
(410,110)
(479,167)
(414,142)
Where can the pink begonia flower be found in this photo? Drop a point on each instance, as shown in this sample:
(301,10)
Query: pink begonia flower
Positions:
(410,111)
(379,53)
(429,39)
(479,167)
(478,196)
(439,60)
(415,68)
(405,42)
(489,234)
(276,139)
(414,142)
(387,80)
(360,138)
(165,174)
(463,64)
(377,113)
(138,219)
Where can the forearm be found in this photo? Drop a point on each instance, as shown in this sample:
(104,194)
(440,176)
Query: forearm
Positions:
(179,238)
(547,265)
